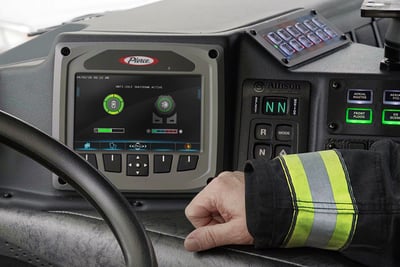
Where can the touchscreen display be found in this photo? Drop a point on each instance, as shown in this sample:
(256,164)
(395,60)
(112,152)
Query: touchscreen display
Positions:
(137,112)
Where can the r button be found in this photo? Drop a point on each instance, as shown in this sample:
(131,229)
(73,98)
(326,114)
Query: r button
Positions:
(263,132)
(262,151)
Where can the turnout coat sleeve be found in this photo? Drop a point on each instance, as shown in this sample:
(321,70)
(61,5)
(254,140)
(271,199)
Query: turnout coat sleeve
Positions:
(344,200)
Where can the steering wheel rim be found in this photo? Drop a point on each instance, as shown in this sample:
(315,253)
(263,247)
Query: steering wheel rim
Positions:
(91,184)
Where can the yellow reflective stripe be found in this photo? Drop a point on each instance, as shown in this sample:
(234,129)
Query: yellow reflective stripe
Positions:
(346,218)
(312,207)
(305,211)
(344,231)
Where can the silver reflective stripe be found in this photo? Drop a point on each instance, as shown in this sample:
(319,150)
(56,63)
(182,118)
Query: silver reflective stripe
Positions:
(321,192)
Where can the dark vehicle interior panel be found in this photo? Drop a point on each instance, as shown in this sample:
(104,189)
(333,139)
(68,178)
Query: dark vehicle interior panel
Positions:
(160,99)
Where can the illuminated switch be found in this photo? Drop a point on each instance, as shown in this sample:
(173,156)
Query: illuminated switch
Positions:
(330,32)
(273,37)
(391,97)
(302,28)
(287,49)
(296,45)
(318,22)
(293,31)
(391,116)
(359,96)
(359,115)
(305,41)
(310,25)
(284,34)
(314,38)
(321,34)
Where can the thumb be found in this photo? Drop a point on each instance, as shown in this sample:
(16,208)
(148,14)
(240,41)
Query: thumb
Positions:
(210,236)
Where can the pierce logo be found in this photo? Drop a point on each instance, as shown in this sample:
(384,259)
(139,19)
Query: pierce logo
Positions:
(138,60)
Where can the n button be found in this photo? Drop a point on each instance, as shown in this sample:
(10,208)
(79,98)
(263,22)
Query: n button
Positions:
(187,162)
(262,151)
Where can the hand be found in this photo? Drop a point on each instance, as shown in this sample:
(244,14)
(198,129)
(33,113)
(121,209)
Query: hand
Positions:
(218,213)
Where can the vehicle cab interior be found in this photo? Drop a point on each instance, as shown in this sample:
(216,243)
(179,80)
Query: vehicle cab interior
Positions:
(111,123)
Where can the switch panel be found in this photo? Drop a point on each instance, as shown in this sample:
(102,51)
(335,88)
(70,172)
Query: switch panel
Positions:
(274,119)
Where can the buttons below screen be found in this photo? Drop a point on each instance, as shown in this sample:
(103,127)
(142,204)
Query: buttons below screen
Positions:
(162,163)
(112,162)
(138,164)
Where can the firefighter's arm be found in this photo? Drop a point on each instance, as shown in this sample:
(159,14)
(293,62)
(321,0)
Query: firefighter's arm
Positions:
(337,200)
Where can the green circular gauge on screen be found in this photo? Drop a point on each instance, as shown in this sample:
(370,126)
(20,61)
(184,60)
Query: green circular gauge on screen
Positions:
(165,104)
(113,104)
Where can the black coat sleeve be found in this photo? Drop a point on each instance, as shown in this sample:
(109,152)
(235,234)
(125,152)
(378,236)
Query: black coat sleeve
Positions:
(374,176)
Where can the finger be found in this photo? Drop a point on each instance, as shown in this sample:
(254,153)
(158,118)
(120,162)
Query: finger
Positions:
(211,236)
(201,210)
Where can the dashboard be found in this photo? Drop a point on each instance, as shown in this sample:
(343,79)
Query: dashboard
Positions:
(161,102)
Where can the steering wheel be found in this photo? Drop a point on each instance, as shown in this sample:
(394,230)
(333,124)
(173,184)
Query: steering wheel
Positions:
(108,201)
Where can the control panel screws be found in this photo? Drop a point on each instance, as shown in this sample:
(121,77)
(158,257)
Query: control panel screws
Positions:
(213,53)
(62,181)
(285,60)
(335,85)
(332,126)
(65,51)
(253,32)
(7,195)
(137,203)
(331,146)
(314,12)
(343,37)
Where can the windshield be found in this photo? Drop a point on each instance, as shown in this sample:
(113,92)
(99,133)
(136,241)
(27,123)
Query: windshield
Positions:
(20,17)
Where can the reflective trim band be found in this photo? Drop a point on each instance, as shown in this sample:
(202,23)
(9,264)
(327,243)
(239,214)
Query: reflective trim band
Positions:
(324,214)
(344,199)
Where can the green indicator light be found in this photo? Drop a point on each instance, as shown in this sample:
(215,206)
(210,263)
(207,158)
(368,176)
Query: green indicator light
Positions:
(275,106)
(104,130)
(359,115)
(113,104)
(391,116)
